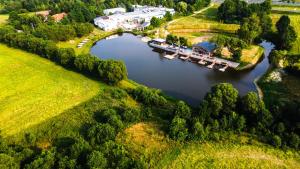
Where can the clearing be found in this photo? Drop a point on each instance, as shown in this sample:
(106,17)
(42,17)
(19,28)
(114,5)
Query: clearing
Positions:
(33,89)
(148,141)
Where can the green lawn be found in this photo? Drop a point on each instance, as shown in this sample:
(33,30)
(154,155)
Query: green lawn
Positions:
(147,140)
(33,90)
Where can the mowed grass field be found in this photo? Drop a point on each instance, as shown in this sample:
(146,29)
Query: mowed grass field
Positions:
(295,22)
(148,141)
(205,21)
(33,90)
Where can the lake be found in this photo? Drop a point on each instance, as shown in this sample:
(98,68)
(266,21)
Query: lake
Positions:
(181,79)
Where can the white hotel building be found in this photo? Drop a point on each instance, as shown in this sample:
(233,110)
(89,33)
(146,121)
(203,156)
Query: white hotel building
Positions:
(138,19)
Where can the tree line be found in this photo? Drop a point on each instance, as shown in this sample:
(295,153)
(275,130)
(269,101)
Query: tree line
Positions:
(86,10)
(110,71)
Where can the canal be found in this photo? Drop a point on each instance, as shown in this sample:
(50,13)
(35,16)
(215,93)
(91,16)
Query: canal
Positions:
(181,79)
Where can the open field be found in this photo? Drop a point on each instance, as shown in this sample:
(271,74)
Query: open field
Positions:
(3,19)
(147,140)
(93,37)
(295,22)
(205,22)
(228,155)
(34,90)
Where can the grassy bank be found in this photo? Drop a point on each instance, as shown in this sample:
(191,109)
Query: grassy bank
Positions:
(96,35)
(34,90)
(147,141)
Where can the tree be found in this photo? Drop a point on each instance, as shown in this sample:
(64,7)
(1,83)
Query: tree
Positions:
(250,29)
(182,110)
(112,71)
(96,160)
(45,160)
(294,141)
(8,162)
(155,22)
(100,133)
(178,129)
(286,33)
(265,24)
(198,131)
(181,7)
(168,16)
(276,141)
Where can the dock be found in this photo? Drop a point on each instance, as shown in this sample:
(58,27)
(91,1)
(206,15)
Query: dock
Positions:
(190,54)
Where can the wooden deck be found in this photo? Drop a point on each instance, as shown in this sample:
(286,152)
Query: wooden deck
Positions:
(188,53)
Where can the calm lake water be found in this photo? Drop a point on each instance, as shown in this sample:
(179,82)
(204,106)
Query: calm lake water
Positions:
(181,79)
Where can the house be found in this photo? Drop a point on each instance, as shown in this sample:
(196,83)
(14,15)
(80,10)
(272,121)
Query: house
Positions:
(204,48)
(138,19)
(58,17)
(114,11)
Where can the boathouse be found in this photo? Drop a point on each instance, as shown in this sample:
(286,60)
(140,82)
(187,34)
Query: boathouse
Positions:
(205,48)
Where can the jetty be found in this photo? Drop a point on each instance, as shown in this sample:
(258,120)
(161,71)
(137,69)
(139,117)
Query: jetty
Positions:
(198,53)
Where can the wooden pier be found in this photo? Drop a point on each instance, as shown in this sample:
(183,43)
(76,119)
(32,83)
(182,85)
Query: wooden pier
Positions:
(203,59)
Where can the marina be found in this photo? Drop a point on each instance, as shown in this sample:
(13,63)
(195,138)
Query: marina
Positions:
(198,53)
(183,79)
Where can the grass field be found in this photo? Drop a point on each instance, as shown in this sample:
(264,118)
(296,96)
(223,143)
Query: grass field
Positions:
(33,90)
(227,155)
(295,21)
(205,22)
(3,19)
(148,141)
(93,37)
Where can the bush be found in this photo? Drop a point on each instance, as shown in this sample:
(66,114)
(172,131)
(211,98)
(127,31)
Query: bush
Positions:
(100,133)
(150,97)
(178,129)
(96,160)
(276,141)
(112,71)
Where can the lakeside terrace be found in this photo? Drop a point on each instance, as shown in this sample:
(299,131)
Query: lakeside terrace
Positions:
(138,19)
(198,52)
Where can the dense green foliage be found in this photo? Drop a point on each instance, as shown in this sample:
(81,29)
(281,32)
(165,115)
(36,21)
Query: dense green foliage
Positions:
(234,11)
(85,10)
(234,45)
(172,39)
(223,110)
(108,70)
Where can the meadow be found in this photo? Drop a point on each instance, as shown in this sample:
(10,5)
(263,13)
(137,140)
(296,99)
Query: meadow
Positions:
(203,22)
(295,22)
(147,140)
(33,90)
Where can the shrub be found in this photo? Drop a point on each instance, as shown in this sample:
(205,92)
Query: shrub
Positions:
(178,129)
(149,97)
(100,133)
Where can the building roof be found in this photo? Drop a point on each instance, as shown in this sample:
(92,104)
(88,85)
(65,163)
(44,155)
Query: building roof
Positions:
(58,17)
(159,40)
(208,46)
